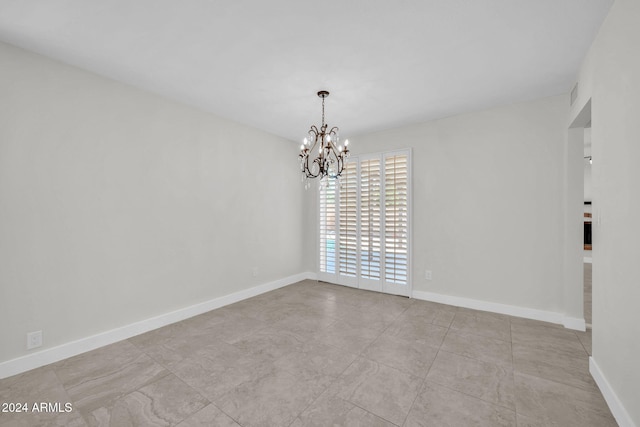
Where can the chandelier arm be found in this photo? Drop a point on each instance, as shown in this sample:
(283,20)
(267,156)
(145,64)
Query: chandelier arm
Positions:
(340,165)
(339,155)
(313,144)
(320,164)
(309,174)
(306,162)
(307,170)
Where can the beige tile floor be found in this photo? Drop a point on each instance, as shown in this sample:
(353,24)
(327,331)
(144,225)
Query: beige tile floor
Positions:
(315,354)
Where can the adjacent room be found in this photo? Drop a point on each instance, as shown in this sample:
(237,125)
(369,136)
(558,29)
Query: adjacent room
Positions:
(244,213)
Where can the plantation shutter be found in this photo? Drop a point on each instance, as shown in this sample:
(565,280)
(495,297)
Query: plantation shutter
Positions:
(364,221)
(327,230)
(349,220)
(396,221)
(370,227)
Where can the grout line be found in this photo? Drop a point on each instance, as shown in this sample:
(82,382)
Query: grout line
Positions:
(326,390)
(476,397)
(424,380)
(375,415)
(481,361)
(175,374)
(575,333)
(236,421)
(358,356)
(66,391)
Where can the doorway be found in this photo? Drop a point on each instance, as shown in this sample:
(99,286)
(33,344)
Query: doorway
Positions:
(365,224)
(588,221)
(579,217)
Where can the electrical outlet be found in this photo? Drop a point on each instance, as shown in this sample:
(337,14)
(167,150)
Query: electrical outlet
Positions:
(427,274)
(34,339)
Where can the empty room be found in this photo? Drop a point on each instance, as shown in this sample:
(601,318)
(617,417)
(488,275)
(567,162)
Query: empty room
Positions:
(339,213)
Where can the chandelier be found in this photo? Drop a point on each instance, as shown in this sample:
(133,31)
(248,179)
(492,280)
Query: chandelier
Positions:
(325,146)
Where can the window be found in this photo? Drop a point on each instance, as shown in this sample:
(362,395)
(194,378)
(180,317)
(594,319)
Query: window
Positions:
(364,224)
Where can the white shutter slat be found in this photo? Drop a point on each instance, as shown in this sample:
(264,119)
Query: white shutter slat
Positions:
(349,220)
(396,219)
(328,227)
(370,241)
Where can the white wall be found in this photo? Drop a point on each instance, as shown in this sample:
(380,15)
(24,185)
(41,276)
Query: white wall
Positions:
(488,203)
(117,205)
(609,77)
(588,190)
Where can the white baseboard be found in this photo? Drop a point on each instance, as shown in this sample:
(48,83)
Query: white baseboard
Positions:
(617,409)
(73,348)
(511,310)
(574,323)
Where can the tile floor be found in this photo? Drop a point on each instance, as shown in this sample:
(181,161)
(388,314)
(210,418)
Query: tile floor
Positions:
(588,295)
(315,354)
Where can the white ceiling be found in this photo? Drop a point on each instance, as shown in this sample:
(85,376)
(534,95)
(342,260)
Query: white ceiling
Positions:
(386,63)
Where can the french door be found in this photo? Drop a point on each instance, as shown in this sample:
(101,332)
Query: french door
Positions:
(364,224)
